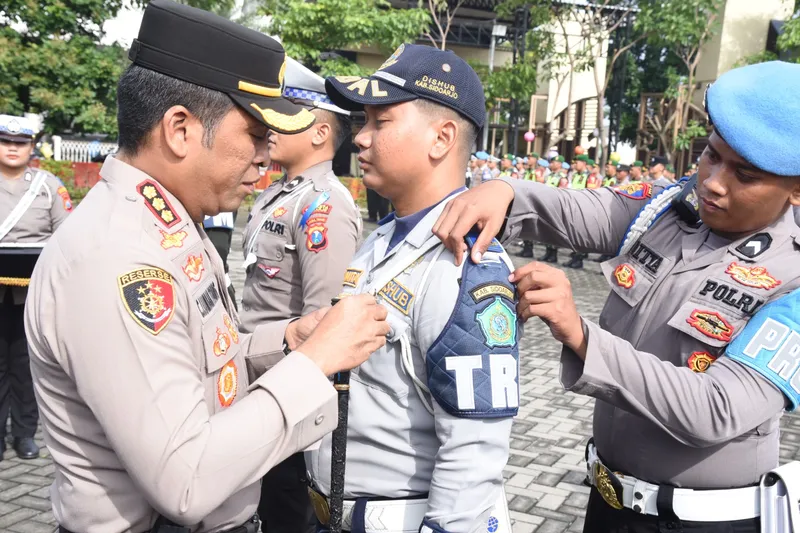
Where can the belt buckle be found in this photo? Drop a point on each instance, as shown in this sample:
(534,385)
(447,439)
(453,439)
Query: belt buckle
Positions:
(321,508)
(608,485)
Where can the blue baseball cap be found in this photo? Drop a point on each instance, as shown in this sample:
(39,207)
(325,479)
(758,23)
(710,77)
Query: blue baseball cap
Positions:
(414,71)
(756,110)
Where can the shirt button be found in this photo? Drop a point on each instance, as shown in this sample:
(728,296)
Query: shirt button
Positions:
(279,255)
(246,307)
(319,419)
(369,277)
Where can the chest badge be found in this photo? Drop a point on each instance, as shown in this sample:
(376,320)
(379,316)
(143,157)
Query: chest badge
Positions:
(498,324)
(234,333)
(227,384)
(711,324)
(222,343)
(756,277)
(278,212)
(194,267)
(352,276)
(269,271)
(172,240)
(625,276)
(700,361)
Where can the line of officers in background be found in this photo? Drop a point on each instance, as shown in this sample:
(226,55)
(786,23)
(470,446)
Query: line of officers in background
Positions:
(582,173)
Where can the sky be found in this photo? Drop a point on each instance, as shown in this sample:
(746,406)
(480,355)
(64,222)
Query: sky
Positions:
(124,27)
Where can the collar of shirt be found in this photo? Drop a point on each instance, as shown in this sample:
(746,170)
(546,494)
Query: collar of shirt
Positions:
(317,173)
(404,225)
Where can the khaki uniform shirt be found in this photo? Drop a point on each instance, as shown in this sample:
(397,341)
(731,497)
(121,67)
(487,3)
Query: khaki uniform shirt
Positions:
(48,210)
(671,408)
(296,259)
(151,400)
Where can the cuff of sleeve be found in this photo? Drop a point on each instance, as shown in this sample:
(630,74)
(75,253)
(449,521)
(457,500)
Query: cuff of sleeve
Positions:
(299,387)
(591,375)
(266,347)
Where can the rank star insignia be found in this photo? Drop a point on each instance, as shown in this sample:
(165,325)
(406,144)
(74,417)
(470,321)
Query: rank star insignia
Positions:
(172,240)
(148,296)
(278,212)
(700,361)
(222,343)
(711,324)
(498,324)
(317,234)
(756,277)
(157,203)
(194,267)
(227,384)
(625,276)
(234,333)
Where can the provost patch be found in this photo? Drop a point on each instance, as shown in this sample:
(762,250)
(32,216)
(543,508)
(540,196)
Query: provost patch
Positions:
(637,190)
(157,203)
(172,240)
(700,361)
(711,324)
(756,277)
(625,276)
(227,384)
(498,324)
(148,297)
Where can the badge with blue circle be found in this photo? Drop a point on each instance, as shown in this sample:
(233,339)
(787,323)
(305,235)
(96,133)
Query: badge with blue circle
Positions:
(498,324)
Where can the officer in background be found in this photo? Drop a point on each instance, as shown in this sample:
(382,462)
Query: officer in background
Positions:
(159,414)
(637,172)
(610,178)
(594,180)
(623,175)
(579,173)
(657,166)
(413,442)
(506,166)
(693,361)
(33,204)
(483,172)
(300,236)
(219,229)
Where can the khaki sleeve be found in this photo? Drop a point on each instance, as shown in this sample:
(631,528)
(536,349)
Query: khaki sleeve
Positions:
(147,393)
(735,399)
(62,203)
(589,220)
(264,348)
(325,246)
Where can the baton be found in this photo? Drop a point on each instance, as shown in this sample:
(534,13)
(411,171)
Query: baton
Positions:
(341,382)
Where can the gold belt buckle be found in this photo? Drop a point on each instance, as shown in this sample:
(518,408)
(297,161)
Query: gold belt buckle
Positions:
(321,508)
(608,485)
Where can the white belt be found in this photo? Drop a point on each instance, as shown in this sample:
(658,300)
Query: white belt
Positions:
(390,516)
(725,505)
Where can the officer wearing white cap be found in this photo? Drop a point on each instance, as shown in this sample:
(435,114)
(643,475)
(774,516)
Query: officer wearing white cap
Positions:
(33,204)
(695,356)
(300,237)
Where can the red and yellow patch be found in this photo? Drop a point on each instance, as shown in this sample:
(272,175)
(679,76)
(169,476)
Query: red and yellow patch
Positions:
(711,324)
(322,209)
(65,199)
(700,361)
(222,343)
(149,297)
(227,384)
(756,277)
(625,276)
(234,333)
(172,240)
(194,267)
(278,212)
(158,203)
(316,234)
(637,190)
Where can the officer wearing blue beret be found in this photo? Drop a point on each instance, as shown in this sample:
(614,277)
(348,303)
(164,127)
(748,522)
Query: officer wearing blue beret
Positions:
(695,356)
(426,444)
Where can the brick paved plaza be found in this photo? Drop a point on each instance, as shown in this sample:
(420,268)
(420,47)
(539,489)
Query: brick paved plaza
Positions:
(545,469)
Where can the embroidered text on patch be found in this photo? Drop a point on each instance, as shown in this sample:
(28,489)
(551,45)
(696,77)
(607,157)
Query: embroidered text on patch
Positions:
(756,277)
(148,297)
(487,290)
(398,296)
(637,191)
(317,234)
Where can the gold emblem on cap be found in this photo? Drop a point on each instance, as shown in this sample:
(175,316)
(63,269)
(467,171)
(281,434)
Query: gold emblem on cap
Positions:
(446,67)
(283,122)
(393,58)
(259,89)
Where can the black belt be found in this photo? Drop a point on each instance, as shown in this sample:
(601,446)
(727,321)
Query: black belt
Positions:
(251,526)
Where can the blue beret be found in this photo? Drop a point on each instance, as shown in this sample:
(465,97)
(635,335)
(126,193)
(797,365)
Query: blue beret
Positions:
(756,110)
(565,166)
(483,156)
(542,162)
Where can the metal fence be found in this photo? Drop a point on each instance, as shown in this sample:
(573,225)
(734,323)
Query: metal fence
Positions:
(80,151)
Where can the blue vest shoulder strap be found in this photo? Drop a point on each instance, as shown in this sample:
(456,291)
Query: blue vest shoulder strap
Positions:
(473,366)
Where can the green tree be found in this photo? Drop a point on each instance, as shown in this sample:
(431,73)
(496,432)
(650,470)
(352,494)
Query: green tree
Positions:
(310,29)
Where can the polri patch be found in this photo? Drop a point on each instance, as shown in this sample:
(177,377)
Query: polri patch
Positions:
(397,296)
(158,203)
(625,276)
(498,324)
(638,190)
(274,227)
(172,240)
(352,276)
(149,297)
(487,290)
(731,296)
(711,324)
(700,361)
(316,234)
(227,384)
(756,277)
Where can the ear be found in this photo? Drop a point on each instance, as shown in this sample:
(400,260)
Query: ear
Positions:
(180,130)
(794,195)
(322,134)
(446,138)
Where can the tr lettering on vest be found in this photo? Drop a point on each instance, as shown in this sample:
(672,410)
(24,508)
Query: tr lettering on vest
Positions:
(502,374)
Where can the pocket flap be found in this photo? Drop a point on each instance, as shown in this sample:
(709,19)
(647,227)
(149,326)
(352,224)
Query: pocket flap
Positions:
(710,326)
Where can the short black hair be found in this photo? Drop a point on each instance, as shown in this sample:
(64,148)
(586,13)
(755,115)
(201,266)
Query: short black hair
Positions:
(468,132)
(144,95)
(341,125)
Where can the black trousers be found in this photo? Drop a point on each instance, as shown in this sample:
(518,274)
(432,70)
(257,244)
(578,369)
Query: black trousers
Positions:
(221,238)
(16,385)
(602,518)
(285,506)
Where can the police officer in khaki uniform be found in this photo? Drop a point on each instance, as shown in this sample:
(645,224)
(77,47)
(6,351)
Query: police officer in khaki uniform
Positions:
(695,356)
(33,204)
(300,237)
(159,414)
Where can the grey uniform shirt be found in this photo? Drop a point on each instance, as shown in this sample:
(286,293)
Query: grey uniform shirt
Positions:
(151,400)
(293,269)
(395,447)
(677,299)
(48,210)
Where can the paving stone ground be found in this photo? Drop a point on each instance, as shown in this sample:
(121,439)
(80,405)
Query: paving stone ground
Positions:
(545,468)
